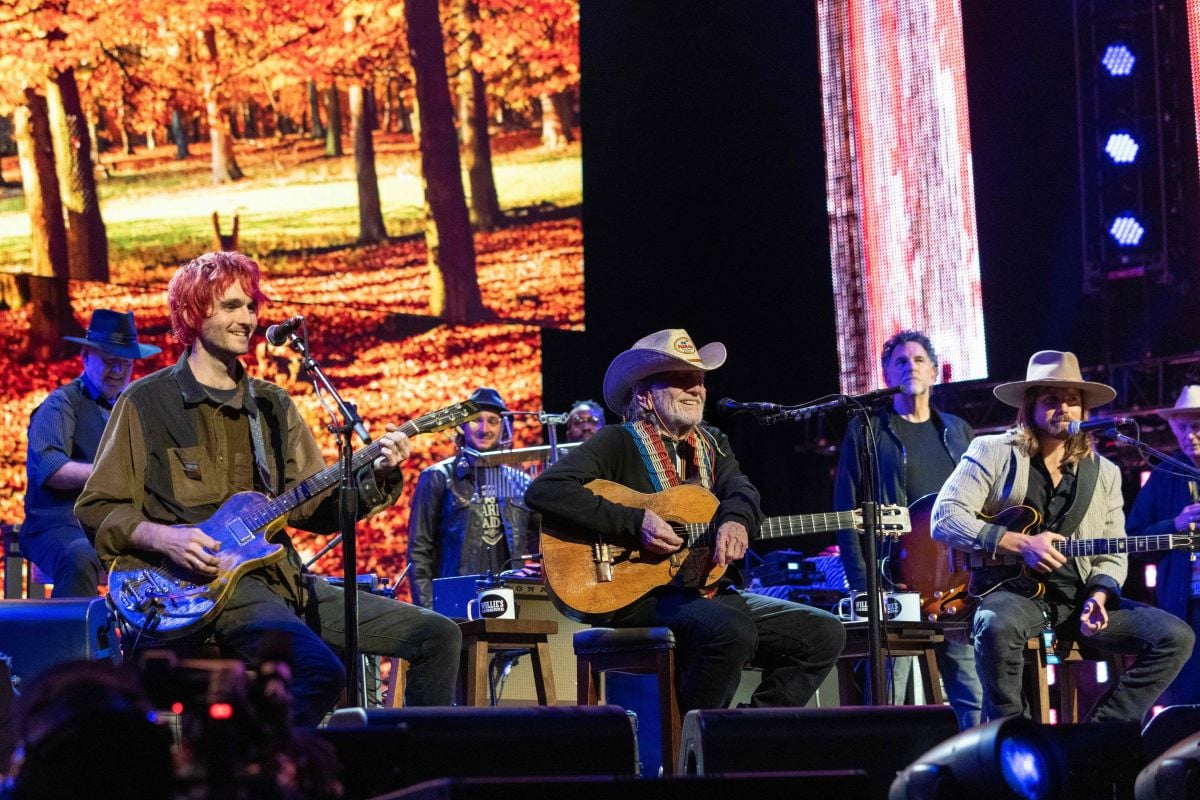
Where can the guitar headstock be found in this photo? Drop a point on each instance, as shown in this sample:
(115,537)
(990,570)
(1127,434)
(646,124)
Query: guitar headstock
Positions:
(894,521)
(444,418)
(1186,540)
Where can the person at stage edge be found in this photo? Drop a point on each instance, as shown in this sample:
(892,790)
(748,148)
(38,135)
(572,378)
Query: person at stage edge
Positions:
(916,448)
(1077,492)
(1170,502)
(457,527)
(658,387)
(585,418)
(64,432)
(184,439)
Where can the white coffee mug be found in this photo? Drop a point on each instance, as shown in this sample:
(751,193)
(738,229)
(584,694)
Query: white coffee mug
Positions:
(896,607)
(495,603)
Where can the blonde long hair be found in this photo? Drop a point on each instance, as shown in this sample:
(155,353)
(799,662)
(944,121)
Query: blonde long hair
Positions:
(1023,436)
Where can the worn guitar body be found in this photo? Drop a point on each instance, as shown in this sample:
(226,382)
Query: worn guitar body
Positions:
(572,572)
(937,572)
(155,595)
(590,578)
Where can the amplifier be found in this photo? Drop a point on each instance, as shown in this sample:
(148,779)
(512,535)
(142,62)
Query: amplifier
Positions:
(533,602)
(41,633)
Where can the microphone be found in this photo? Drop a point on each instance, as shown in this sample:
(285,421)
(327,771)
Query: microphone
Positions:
(878,394)
(1100,423)
(727,406)
(278,334)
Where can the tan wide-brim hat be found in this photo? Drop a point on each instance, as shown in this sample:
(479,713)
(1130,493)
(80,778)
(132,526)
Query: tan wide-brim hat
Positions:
(1055,368)
(665,351)
(1187,404)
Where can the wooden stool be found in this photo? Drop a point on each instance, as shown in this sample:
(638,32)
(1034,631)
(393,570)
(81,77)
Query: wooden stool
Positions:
(638,651)
(1035,680)
(903,639)
(484,636)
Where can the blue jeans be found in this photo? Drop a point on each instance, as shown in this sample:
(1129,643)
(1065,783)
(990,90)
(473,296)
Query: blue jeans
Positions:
(430,642)
(1005,621)
(956,662)
(65,554)
(795,645)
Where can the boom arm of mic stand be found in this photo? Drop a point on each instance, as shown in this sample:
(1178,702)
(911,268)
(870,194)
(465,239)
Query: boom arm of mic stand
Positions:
(1147,452)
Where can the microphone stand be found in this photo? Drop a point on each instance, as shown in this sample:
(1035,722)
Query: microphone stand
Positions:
(860,406)
(1149,452)
(351,424)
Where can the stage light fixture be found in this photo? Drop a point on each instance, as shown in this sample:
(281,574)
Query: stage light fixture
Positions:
(1118,60)
(1017,759)
(1174,775)
(1126,230)
(1121,148)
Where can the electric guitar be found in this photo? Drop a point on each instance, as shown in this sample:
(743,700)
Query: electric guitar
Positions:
(951,581)
(156,596)
(589,577)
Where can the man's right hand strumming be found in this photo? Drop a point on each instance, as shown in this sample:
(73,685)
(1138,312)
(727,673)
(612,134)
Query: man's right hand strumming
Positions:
(658,536)
(1038,552)
(190,548)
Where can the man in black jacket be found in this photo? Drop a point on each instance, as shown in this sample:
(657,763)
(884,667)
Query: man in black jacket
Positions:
(658,386)
(916,448)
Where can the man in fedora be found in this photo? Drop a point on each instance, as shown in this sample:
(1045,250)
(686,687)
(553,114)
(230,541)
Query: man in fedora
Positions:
(466,521)
(658,387)
(1169,501)
(1077,492)
(64,432)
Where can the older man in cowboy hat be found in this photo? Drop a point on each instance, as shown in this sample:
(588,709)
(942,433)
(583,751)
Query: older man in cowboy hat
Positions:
(658,387)
(64,432)
(1168,502)
(458,526)
(1039,463)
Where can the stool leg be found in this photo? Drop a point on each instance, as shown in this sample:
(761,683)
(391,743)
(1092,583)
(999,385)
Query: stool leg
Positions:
(586,693)
(668,711)
(543,675)
(475,673)
(932,677)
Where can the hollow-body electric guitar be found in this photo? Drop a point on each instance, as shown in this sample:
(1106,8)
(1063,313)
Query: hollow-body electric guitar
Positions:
(156,596)
(589,578)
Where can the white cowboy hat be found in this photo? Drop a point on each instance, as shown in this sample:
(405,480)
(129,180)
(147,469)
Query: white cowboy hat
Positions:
(1055,368)
(664,351)
(1188,403)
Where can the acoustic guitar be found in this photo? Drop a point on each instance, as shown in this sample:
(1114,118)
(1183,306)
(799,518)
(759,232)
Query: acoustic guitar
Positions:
(156,596)
(589,577)
(950,582)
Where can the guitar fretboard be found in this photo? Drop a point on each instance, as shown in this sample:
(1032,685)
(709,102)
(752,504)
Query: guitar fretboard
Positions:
(1122,544)
(701,533)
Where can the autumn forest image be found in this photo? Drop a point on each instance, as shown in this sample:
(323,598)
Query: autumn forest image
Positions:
(407,174)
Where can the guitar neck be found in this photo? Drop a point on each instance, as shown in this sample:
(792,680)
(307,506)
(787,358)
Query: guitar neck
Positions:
(776,527)
(1117,544)
(316,484)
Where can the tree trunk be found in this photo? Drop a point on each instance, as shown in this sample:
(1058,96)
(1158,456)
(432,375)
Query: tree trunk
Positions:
(179,134)
(333,115)
(250,119)
(51,316)
(453,283)
(87,239)
(555,132)
(477,147)
(406,121)
(224,165)
(314,112)
(151,137)
(371,229)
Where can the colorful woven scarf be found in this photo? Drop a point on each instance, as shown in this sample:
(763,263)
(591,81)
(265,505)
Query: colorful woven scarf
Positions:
(661,466)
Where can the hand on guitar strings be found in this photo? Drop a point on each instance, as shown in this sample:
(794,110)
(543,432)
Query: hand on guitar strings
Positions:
(1094,617)
(1038,552)
(732,541)
(394,448)
(190,548)
(658,536)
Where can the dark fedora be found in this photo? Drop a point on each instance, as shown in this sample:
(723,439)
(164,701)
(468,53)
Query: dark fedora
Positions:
(115,333)
(488,399)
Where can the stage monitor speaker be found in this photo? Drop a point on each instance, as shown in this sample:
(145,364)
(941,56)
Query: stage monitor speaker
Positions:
(798,785)
(877,740)
(41,633)
(1166,728)
(381,750)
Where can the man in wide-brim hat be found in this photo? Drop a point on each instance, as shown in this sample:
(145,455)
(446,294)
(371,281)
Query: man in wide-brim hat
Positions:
(1169,501)
(657,385)
(1076,494)
(64,433)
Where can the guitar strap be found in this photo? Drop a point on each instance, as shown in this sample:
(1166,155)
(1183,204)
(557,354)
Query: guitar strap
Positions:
(256,438)
(658,462)
(1086,474)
